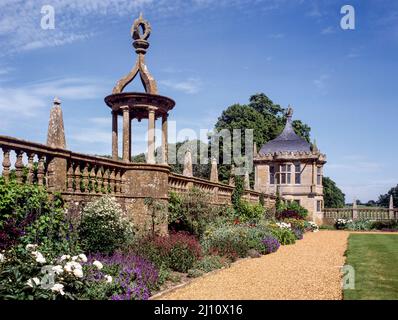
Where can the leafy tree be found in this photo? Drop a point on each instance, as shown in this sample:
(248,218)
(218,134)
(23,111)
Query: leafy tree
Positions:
(333,196)
(371,203)
(384,199)
(261,114)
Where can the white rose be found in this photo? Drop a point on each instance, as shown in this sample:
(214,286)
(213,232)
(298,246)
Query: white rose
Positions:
(31,246)
(39,257)
(98,264)
(78,273)
(72,265)
(74,258)
(65,257)
(58,287)
(57,269)
(83,257)
(108,278)
(32,281)
(2,257)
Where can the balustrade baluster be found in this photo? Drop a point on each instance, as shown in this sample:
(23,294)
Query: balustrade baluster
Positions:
(6,164)
(85,178)
(118,182)
(78,174)
(92,180)
(69,177)
(41,169)
(19,166)
(99,180)
(31,157)
(112,180)
(106,180)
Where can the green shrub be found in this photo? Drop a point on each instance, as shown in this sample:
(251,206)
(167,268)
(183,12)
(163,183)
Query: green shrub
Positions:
(247,212)
(285,236)
(211,262)
(238,192)
(178,251)
(104,227)
(192,212)
(290,210)
(359,225)
(385,225)
(195,273)
(296,224)
(234,241)
(28,215)
(29,274)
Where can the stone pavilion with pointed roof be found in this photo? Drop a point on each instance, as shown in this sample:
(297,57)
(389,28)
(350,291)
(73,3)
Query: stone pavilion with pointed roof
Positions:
(292,167)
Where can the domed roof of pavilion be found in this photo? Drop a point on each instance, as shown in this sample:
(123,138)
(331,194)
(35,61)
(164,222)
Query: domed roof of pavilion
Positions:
(287,141)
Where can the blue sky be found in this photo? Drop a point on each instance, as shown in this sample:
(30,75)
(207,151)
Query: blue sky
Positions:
(207,55)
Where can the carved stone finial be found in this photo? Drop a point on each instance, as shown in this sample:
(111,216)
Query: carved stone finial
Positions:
(214,171)
(57,101)
(56,131)
(140,32)
(314,147)
(188,171)
(289,112)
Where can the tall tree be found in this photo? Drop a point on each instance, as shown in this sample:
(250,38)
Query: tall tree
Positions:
(261,114)
(384,199)
(333,197)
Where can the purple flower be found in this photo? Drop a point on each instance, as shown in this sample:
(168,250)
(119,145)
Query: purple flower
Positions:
(298,233)
(133,274)
(271,244)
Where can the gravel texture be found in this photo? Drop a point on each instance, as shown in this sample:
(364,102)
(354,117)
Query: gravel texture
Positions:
(309,269)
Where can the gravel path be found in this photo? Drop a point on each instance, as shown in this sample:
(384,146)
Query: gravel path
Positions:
(307,270)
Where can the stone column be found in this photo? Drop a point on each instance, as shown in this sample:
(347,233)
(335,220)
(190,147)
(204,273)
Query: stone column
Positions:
(391,208)
(115,146)
(313,186)
(56,131)
(165,151)
(188,170)
(151,136)
(56,173)
(130,139)
(126,134)
(214,171)
(354,210)
(256,188)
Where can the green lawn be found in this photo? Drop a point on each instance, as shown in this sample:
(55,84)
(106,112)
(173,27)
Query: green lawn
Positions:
(375,261)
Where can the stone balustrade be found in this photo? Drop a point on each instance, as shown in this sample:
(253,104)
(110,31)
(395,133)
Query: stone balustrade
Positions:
(374,214)
(220,193)
(79,177)
(29,156)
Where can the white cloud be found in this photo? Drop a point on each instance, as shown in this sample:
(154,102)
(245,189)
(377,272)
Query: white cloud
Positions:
(189,86)
(101,121)
(328,30)
(320,83)
(276,36)
(28,100)
(76,20)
